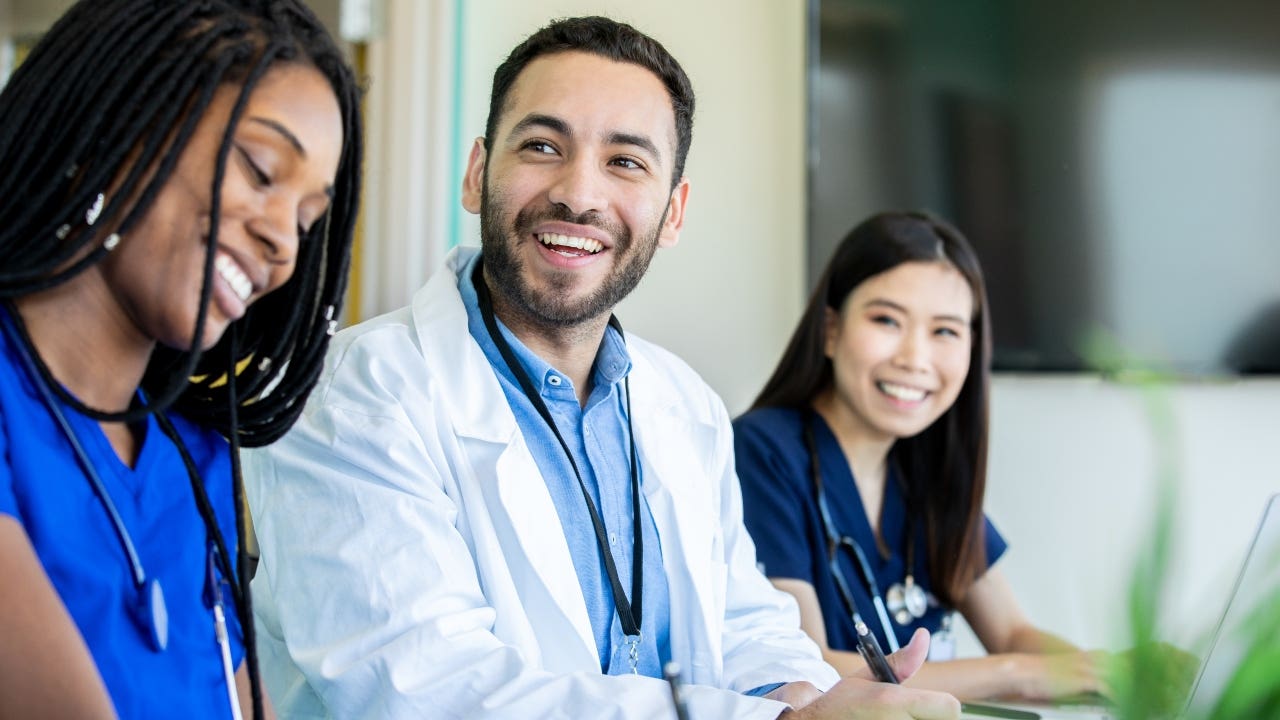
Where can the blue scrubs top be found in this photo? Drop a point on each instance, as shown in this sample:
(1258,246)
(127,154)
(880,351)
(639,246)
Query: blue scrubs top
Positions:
(45,489)
(781,514)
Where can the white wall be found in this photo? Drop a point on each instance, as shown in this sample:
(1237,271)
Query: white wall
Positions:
(1073,477)
(409,186)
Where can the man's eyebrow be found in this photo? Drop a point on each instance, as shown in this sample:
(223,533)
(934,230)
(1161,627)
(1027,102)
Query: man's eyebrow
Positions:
(640,141)
(285,132)
(550,122)
(560,127)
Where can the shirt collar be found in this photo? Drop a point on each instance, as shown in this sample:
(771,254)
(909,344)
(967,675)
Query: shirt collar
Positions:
(612,364)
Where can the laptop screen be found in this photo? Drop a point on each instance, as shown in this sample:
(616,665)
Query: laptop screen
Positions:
(1259,578)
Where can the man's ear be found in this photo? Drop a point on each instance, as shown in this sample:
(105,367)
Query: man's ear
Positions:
(473,180)
(670,234)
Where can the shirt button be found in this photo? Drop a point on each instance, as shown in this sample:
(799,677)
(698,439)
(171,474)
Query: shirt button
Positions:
(554,380)
(613,538)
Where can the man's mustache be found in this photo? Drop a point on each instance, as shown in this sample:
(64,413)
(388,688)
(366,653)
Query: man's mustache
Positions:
(529,218)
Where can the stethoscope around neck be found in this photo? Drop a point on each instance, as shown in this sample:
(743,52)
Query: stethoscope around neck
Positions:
(906,601)
(149,610)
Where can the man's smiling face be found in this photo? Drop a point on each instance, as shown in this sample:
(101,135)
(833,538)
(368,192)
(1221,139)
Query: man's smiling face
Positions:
(575,195)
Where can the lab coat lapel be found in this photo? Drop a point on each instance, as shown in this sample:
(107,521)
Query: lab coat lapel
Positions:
(681,502)
(545,576)
(519,506)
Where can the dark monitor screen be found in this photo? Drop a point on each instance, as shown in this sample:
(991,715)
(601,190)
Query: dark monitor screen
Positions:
(1116,166)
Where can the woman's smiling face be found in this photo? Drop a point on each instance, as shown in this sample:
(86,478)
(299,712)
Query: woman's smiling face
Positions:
(900,348)
(278,183)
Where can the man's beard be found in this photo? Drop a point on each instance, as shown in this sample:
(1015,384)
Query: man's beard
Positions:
(553,307)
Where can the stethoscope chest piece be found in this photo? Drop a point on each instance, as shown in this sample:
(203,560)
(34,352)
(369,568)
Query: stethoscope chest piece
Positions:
(153,614)
(906,601)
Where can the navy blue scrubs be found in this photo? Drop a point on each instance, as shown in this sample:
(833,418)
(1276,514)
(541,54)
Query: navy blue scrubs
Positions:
(781,513)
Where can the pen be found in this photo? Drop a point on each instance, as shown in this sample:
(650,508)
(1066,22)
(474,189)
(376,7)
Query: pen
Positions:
(869,649)
(671,671)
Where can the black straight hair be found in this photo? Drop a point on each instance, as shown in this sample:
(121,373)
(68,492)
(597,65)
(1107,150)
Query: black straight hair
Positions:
(109,98)
(610,39)
(944,468)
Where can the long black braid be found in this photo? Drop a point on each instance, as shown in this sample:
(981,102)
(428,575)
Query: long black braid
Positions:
(108,100)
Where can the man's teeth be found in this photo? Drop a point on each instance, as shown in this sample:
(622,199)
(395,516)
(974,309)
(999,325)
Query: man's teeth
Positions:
(901,392)
(234,276)
(591,246)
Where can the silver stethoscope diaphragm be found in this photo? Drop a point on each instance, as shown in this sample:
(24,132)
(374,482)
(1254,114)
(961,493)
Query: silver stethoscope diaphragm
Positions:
(906,601)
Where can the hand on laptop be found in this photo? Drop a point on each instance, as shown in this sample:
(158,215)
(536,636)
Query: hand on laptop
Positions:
(1169,669)
(1080,674)
(1053,675)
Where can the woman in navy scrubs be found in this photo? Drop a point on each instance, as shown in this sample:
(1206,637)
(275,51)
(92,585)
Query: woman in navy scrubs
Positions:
(863,466)
(167,167)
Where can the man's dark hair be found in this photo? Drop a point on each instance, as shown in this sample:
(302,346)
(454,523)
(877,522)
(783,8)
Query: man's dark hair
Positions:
(610,39)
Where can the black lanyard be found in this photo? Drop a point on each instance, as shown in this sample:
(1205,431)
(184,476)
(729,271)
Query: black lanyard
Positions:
(629,613)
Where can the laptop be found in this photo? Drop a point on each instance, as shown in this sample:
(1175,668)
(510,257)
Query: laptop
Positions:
(1259,577)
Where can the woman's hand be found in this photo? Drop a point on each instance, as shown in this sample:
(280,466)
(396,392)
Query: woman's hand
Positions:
(1160,672)
(1054,675)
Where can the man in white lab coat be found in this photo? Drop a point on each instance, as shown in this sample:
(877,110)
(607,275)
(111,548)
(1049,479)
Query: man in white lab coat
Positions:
(497,503)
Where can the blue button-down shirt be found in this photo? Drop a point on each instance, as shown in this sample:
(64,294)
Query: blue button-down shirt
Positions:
(598,435)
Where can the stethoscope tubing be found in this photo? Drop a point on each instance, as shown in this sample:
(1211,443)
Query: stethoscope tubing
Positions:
(82,457)
(864,570)
(834,540)
(122,532)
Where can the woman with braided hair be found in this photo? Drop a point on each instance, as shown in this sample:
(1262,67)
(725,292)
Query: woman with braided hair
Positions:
(180,181)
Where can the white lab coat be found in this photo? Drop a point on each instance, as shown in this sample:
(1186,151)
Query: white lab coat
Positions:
(413,565)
